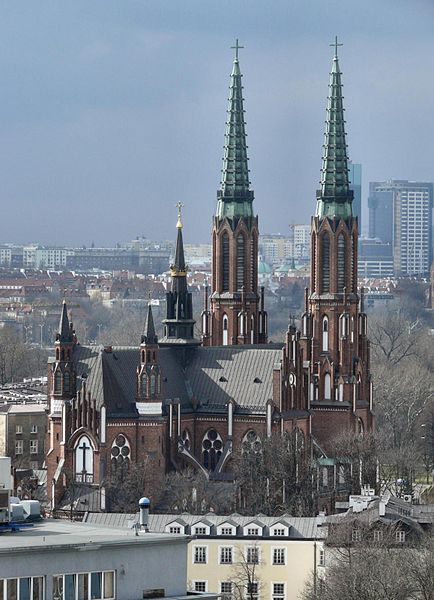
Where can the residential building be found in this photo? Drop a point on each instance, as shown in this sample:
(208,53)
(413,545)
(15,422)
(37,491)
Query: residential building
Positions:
(228,553)
(22,434)
(375,258)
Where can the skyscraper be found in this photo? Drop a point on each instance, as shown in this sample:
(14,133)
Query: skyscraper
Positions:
(400,213)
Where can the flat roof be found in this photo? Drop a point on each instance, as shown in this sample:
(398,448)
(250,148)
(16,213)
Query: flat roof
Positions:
(56,534)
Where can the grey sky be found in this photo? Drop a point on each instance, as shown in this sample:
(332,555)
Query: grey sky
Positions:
(113,110)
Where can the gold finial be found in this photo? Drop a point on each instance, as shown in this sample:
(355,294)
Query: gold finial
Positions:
(179,206)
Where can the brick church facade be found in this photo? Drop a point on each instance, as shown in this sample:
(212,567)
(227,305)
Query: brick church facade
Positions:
(182,401)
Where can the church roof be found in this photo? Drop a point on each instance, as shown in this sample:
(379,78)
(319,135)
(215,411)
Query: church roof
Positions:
(212,377)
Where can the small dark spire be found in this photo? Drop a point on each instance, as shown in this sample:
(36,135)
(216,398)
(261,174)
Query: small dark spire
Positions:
(178,267)
(149,336)
(65,333)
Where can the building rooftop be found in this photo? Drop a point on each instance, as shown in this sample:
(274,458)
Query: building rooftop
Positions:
(54,535)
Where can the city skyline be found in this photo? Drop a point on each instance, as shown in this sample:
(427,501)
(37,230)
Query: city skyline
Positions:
(110,116)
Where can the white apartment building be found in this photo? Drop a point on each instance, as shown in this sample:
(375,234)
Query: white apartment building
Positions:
(413,229)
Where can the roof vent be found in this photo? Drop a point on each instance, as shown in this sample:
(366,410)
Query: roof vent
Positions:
(223,379)
(108,349)
(257,380)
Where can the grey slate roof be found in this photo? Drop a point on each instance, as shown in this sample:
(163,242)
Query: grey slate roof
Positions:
(211,377)
(300,527)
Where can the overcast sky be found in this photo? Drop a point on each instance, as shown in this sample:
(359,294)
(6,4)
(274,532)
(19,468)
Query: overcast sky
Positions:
(113,110)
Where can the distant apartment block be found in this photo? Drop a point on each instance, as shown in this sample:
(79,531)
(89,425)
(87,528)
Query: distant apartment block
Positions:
(400,213)
(277,248)
(22,434)
(375,258)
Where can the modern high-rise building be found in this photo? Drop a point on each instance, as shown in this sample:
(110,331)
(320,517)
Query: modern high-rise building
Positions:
(400,213)
(355,176)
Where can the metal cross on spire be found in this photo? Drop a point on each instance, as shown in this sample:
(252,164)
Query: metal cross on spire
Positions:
(336,45)
(236,48)
(179,205)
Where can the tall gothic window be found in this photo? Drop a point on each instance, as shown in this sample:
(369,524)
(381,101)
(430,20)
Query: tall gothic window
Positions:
(66,381)
(325,334)
(254,261)
(143,385)
(57,382)
(325,263)
(212,447)
(225,262)
(83,463)
(225,330)
(341,263)
(240,261)
(153,385)
(327,387)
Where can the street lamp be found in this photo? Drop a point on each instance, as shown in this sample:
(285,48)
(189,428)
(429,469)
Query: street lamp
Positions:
(41,325)
(428,455)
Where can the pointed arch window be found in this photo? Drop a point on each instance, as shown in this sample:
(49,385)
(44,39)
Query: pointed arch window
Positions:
(252,329)
(325,263)
(58,382)
(83,460)
(212,447)
(240,262)
(225,330)
(341,262)
(327,387)
(143,385)
(66,381)
(153,386)
(225,262)
(325,334)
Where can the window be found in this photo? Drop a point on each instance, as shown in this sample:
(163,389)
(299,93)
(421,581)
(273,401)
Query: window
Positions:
(252,590)
(225,331)
(279,531)
(278,591)
(225,262)
(212,446)
(253,531)
(200,554)
(18,446)
(66,381)
(34,429)
(325,266)
(252,555)
(341,263)
(321,560)
(99,585)
(356,535)
(58,382)
(325,334)
(327,387)
(240,261)
(226,590)
(200,586)
(278,556)
(226,531)
(33,446)
(400,536)
(174,529)
(226,555)
(19,429)
(200,530)
(24,588)
(377,535)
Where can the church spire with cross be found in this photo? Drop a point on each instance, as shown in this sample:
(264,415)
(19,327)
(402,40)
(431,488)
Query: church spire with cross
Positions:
(235,197)
(334,198)
(235,314)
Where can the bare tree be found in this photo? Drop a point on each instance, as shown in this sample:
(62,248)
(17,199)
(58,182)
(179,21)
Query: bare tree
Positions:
(245,574)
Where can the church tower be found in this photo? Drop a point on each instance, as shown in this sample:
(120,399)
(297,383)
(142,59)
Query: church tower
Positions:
(236,312)
(148,372)
(334,328)
(179,322)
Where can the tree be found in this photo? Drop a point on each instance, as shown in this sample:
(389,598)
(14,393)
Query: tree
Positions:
(245,572)
(274,475)
(376,570)
(126,485)
(191,491)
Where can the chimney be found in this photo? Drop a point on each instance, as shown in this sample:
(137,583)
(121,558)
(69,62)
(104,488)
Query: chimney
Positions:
(144,504)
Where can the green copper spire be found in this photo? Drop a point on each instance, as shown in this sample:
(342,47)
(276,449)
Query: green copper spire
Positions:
(235,199)
(334,199)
